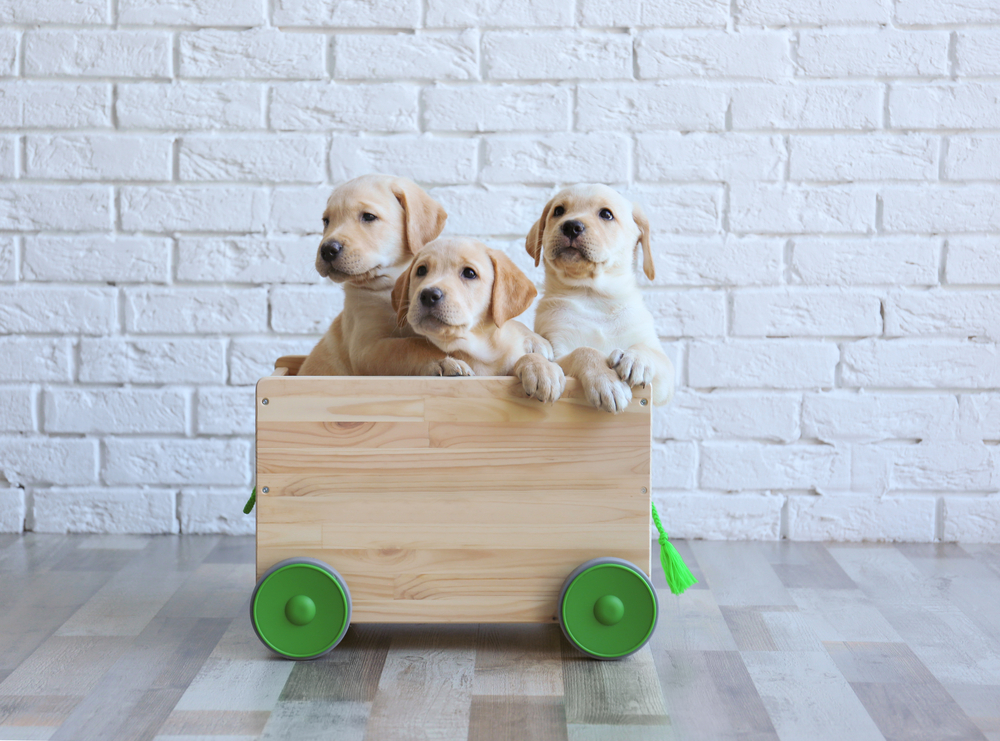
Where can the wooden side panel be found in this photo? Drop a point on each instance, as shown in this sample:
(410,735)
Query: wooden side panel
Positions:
(448,500)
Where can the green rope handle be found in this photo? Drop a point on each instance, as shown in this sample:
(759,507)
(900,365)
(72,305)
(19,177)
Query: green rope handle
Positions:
(248,507)
(679,577)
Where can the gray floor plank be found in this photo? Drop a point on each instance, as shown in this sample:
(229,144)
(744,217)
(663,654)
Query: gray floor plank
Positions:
(739,574)
(511,718)
(625,692)
(518,660)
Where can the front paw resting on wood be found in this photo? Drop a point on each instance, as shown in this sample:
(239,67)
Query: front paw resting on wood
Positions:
(631,367)
(540,377)
(447,366)
(606,391)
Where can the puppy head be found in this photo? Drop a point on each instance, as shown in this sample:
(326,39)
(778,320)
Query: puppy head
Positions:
(590,230)
(456,288)
(372,225)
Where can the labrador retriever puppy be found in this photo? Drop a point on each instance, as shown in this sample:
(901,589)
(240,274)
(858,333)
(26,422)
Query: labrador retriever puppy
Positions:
(592,310)
(463,297)
(372,226)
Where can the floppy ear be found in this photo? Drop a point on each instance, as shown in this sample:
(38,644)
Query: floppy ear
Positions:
(424,216)
(533,242)
(513,291)
(400,296)
(639,217)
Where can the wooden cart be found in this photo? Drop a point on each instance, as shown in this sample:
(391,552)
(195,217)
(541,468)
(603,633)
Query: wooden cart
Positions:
(451,500)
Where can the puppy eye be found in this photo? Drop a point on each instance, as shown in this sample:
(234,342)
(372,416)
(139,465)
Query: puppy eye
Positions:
(422,270)
(558,211)
(606,214)
(368,217)
(469,273)
(326,222)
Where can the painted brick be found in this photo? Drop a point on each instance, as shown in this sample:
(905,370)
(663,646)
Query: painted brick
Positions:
(100,157)
(674,464)
(80,53)
(868,157)
(806,313)
(851,517)
(714,516)
(979,416)
(776,209)
(43,309)
(69,207)
(448,55)
(12,509)
(852,261)
(681,209)
(662,106)
(191,12)
(485,210)
(223,410)
(35,359)
(195,310)
(497,13)
(54,11)
(261,53)
(211,511)
(299,211)
(17,409)
(871,417)
(757,55)
(181,360)
(557,158)
(807,106)
(833,53)
(927,208)
(724,157)
(557,55)
(768,416)
(164,461)
(8,158)
(973,260)
(304,309)
(9,41)
(736,466)
(689,13)
(97,257)
(497,108)
(54,104)
(8,259)
(116,411)
(817,12)
(930,465)
(39,460)
(965,105)
(920,363)
(723,261)
(306,106)
(189,208)
(379,13)
(978,51)
(252,359)
(189,106)
(425,159)
(247,259)
(920,12)
(972,519)
(943,312)
(273,159)
(105,511)
(972,158)
(769,364)
(688,313)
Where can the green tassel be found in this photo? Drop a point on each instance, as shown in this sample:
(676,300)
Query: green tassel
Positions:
(248,507)
(678,575)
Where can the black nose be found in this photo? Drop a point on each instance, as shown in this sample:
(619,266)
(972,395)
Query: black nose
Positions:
(573,228)
(430,296)
(329,250)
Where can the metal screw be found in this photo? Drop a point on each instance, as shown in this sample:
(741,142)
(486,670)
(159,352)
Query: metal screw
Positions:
(644,490)
(266,490)
(263,401)
(642,402)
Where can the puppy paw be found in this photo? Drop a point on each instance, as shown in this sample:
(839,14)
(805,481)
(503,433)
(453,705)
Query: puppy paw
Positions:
(448,366)
(631,367)
(540,346)
(540,378)
(606,391)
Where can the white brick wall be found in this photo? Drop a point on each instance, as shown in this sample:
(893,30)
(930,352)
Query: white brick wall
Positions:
(822,179)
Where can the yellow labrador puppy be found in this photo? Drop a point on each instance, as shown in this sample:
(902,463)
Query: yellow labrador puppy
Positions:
(463,297)
(592,310)
(372,226)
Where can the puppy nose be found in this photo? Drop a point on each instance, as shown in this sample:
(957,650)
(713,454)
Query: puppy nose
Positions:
(329,250)
(430,296)
(573,228)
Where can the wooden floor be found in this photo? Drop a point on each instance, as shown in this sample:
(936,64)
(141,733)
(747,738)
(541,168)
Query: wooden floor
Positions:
(128,637)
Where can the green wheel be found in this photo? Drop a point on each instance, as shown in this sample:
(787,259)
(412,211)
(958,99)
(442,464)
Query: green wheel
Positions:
(608,608)
(300,608)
